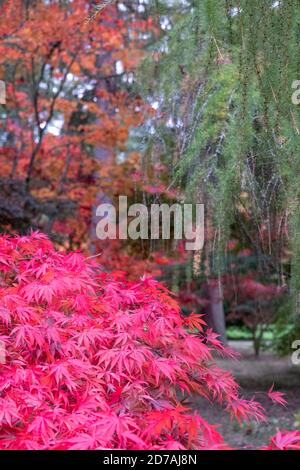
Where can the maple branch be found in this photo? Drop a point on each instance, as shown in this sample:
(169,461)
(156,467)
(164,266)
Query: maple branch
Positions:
(99,8)
(43,129)
(93,256)
(17,109)
(62,181)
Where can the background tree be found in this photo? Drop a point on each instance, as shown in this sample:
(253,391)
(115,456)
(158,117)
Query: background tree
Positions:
(69,92)
(221,79)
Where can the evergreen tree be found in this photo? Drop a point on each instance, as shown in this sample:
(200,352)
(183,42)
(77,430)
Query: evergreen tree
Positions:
(222,77)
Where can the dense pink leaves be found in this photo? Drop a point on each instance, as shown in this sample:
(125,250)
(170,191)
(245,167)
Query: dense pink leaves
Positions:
(94,361)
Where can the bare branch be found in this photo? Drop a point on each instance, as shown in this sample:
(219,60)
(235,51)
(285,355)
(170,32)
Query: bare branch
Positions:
(99,8)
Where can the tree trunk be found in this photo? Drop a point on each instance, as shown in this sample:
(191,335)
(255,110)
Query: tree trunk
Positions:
(215,313)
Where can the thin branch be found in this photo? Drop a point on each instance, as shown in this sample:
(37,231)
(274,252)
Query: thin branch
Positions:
(49,118)
(98,9)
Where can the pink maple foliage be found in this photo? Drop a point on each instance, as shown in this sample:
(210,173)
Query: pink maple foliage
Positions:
(277,397)
(94,361)
(284,440)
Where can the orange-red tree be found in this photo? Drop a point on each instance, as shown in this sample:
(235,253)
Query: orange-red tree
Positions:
(68,112)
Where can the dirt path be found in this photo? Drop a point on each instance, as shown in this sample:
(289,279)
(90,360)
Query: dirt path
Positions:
(255,377)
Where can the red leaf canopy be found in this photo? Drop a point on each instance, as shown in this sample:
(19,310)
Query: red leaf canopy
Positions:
(95,362)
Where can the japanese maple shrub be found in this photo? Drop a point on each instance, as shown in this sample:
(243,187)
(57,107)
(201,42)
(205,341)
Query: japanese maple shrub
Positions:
(93,361)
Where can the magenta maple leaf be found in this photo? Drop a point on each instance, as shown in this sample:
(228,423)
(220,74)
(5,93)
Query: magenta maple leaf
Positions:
(277,397)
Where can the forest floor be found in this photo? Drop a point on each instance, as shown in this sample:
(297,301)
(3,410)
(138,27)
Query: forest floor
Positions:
(255,376)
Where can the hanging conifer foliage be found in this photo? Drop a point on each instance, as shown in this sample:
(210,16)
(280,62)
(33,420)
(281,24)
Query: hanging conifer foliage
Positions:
(223,80)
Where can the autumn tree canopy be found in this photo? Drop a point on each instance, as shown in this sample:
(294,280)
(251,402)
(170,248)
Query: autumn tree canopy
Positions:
(70,106)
